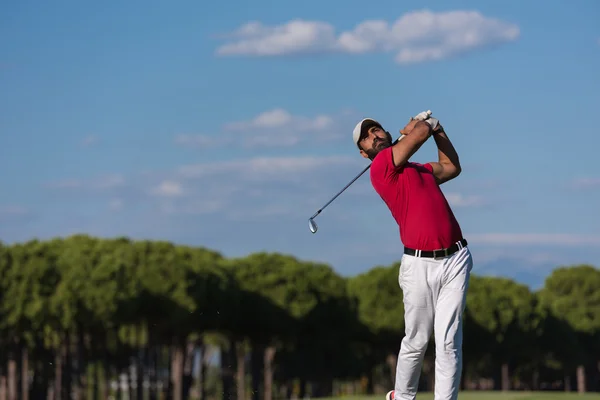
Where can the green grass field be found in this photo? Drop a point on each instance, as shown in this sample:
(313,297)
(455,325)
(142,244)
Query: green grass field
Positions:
(493,396)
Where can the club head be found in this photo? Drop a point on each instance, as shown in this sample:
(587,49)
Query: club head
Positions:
(312,225)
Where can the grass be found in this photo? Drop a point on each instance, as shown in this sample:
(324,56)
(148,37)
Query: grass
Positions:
(481,395)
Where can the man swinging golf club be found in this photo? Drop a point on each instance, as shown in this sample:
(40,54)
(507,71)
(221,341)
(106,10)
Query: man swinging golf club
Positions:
(436,264)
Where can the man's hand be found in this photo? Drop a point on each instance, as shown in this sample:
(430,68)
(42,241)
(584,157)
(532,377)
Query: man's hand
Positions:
(410,126)
(422,116)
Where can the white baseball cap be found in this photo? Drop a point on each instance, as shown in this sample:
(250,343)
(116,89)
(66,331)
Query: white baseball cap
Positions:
(359,129)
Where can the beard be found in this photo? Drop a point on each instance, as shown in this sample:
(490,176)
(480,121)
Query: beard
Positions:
(378,145)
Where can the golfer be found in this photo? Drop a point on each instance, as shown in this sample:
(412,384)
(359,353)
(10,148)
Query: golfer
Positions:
(436,264)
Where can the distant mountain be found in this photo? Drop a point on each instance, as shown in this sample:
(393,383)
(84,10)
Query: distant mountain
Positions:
(528,272)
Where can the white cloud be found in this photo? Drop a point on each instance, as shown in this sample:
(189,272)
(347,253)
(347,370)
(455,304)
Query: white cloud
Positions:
(586,183)
(256,188)
(414,37)
(527,239)
(202,141)
(12,210)
(279,118)
(12,215)
(296,36)
(272,128)
(168,189)
(89,140)
(460,200)
(270,168)
(115,205)
(203,207)
(99,183)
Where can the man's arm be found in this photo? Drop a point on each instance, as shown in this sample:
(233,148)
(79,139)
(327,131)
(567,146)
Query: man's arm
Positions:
(416,136)
(448,165)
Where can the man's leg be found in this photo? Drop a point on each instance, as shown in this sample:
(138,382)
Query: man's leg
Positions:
(418,320)
(448,325)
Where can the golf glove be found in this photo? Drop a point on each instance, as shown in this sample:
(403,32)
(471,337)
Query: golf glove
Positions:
(433,122)
(426,116)
(422,116)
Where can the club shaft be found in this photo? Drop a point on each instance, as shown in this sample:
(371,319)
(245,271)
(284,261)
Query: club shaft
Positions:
(342,191)
(351,182)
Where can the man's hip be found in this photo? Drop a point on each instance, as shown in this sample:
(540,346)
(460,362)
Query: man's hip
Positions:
(439,253)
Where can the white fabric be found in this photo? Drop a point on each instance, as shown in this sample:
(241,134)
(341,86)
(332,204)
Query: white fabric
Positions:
(434,301)
(423,115)
(433,122)
(357,129)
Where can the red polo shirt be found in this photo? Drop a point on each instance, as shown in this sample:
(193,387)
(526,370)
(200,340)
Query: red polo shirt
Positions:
(416,202)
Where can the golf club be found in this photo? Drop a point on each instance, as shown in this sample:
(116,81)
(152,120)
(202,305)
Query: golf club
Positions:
(311,221)
(312,225)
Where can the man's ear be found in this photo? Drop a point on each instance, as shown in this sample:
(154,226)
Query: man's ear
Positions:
(362,153)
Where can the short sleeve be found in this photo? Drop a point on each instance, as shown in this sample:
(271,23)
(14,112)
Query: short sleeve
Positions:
(383,168)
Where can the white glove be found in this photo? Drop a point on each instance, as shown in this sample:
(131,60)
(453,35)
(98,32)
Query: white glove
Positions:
(422,116)
(426,116)
(433,122)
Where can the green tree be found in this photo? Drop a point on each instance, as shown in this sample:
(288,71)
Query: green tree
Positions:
(324,345)
(505,310)
(381,310)
(572,295)
(284,281)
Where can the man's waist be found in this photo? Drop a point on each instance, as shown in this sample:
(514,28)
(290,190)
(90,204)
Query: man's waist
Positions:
(437,253)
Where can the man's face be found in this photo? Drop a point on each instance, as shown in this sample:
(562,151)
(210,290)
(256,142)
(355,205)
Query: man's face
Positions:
(373,142)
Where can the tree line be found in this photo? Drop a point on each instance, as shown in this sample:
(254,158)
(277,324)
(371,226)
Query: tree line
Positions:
(93,318)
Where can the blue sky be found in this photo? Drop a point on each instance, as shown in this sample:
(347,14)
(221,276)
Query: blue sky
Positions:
(227,127)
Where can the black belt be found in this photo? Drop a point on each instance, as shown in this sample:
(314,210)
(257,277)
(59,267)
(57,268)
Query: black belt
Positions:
(437,253)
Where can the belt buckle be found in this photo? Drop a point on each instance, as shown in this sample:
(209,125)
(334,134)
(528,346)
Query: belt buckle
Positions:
(443,251)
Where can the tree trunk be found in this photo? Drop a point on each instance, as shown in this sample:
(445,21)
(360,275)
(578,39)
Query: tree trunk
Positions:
(12,373)
(463,375)
(535,380)
(58,378)
(392,360)
(257,362)
(142,362)
(240,375)
(153,372)
(46,376)
(3,387)
(24,374)
(105,386)
(227,370)
(79,370)
(581,379)
(188,366)
(567,383)
(40,376)
(505,377)
(303,384)
(177,371)
(269,356)
(205,358)
(68,364)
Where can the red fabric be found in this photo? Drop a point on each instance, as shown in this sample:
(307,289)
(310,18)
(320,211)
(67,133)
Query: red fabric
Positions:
(423,215)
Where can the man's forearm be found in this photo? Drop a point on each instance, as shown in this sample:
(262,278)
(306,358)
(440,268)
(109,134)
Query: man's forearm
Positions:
(447,154)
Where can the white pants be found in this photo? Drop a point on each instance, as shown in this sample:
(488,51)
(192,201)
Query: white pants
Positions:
(434,300)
